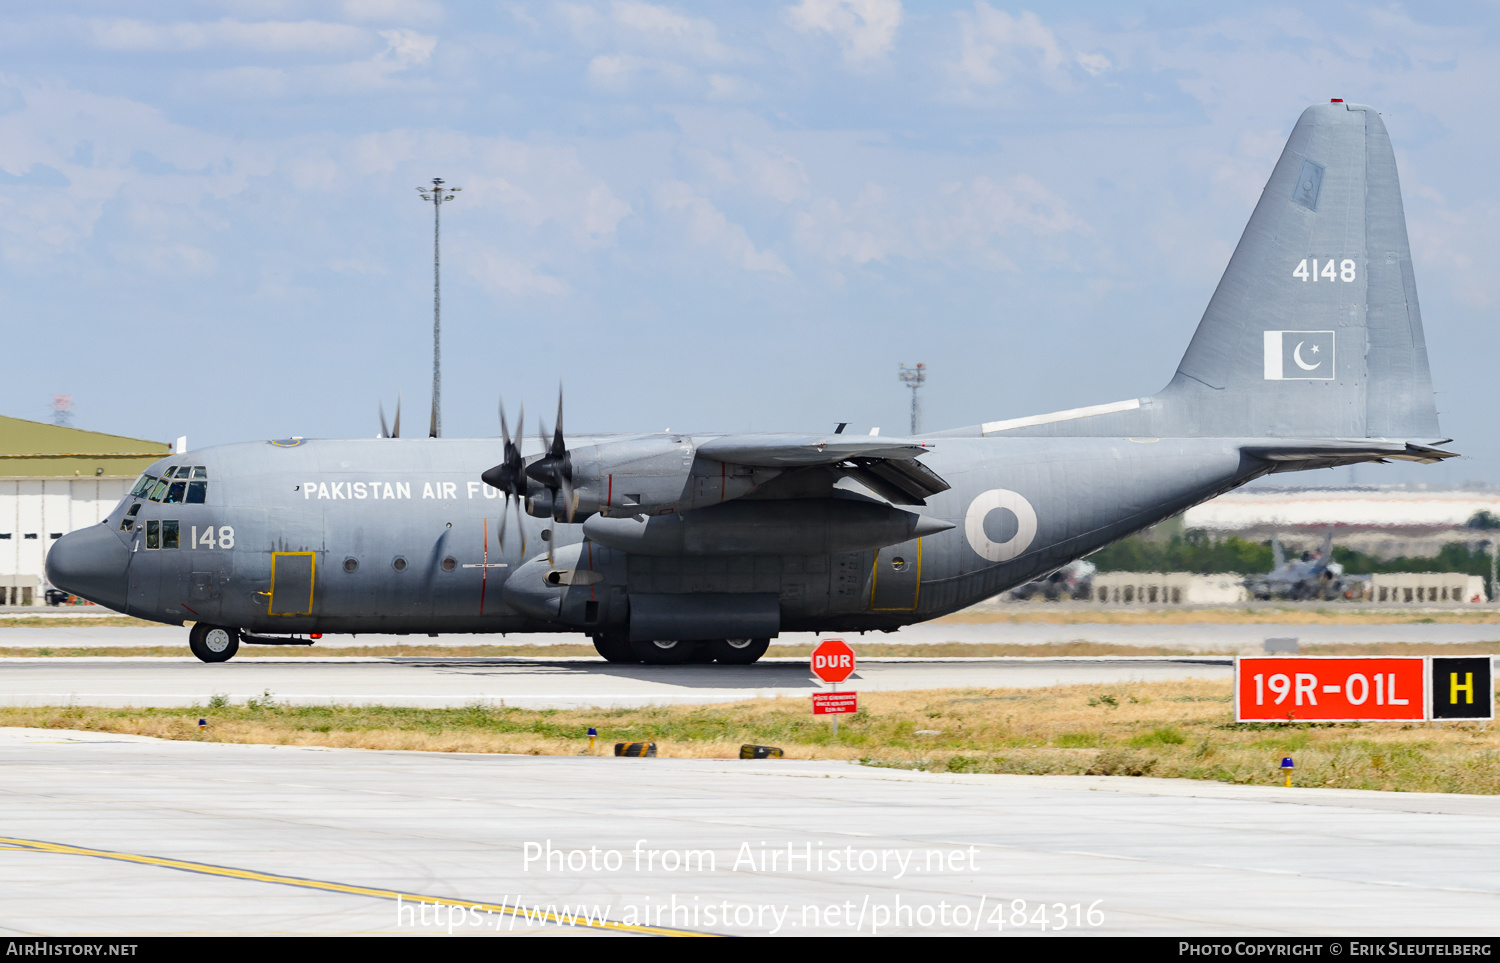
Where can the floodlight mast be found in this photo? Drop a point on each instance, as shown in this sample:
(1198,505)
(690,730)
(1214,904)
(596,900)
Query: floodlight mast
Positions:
(437,194)
(913,379)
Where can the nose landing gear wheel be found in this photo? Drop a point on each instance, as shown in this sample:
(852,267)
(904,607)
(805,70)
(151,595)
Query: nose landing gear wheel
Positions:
(738,651)
(214,643)
(664,653)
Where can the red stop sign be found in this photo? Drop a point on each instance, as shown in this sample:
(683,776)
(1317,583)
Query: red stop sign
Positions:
(832,660)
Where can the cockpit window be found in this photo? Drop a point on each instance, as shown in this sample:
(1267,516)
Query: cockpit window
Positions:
(142,486)
(176,492)
(158,491)
(197,492)
(171,472)
(199,471)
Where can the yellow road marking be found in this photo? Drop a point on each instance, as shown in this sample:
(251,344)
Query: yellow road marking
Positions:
(531,915)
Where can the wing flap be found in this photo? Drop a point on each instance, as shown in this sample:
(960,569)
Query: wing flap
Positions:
(899,482)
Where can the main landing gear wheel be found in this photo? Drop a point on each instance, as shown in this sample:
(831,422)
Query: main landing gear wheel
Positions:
(614,648)
(214,643)
(738,651)
(664,652)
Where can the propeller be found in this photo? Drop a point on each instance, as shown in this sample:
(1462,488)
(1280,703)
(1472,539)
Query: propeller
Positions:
(554,470)
(510,476)
(384,431)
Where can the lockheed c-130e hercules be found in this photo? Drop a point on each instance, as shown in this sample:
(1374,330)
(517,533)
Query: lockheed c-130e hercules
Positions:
(671,547)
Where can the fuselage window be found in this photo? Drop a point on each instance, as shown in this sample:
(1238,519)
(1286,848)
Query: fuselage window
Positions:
(351,564)
(197,492)
(399,564)
(168,534)
(153,534)
(127,524)
(134,510)
(450,563)
(142,486)
(176,492)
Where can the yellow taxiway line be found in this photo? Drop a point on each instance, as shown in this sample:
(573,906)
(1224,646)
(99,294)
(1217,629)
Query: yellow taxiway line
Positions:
(531,915)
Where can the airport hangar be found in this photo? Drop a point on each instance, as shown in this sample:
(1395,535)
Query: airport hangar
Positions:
(54,480)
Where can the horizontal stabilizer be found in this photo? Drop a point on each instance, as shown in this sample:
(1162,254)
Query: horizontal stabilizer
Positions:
(1289,455)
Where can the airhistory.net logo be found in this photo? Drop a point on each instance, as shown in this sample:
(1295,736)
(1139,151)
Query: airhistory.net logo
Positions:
(1299,355)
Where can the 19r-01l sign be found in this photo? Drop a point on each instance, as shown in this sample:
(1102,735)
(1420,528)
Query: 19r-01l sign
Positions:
(1329,689)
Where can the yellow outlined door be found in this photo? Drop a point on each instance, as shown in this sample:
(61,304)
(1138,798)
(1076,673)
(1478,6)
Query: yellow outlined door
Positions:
(897,577)
(292,582)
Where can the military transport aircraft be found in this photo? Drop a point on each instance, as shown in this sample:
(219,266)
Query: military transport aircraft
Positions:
(668,547)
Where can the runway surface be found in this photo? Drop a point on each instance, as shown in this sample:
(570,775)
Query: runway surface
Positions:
(324,841)
(1208,636)
(557,683)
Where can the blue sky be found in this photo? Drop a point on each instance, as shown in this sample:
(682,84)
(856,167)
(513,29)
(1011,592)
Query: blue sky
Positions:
(718,216)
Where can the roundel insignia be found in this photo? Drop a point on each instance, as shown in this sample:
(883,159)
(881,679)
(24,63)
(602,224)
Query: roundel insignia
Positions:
(980,509)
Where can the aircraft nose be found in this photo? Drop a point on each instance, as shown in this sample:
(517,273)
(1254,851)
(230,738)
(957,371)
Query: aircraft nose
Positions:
(90,563)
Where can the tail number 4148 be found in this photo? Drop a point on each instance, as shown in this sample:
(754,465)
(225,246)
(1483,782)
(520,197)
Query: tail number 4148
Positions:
(206,538)
(1345,270)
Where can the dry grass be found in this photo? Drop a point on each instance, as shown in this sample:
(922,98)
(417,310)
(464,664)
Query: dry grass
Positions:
(1336,614)
(1181,729)
(69,621)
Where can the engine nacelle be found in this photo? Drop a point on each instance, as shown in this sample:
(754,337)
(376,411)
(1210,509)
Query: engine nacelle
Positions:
(659,475)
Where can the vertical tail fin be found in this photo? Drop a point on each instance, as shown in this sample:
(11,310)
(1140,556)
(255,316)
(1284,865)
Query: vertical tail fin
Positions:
(1314,330)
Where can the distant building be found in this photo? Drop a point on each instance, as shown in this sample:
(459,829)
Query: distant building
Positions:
(1384,522)
(54,480)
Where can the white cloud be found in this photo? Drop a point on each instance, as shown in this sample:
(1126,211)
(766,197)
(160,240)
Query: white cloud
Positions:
(707,226)
(865,29)
(982,218)
(505,273)
(397,11)
(308,36)
(668,30)
(769,171)
(998,49)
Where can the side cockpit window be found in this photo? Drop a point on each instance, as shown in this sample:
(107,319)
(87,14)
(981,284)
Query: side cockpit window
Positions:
(143,486)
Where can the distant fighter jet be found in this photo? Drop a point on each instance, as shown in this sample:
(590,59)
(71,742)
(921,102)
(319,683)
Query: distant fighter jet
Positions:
(1313,576)
(674,547)
(1072,581)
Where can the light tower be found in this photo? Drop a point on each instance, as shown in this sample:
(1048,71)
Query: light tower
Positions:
(437,194)
(913,378)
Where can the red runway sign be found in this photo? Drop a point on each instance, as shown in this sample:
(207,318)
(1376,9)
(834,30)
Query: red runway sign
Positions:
(833,660)
(835,703)
(1329,689)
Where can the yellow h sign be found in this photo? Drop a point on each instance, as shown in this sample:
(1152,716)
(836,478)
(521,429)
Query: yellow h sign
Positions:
(1467,688)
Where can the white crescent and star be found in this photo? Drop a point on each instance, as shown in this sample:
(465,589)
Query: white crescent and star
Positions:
(1297,357)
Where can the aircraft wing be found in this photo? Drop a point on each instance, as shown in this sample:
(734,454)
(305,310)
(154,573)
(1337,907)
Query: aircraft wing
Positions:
(887,466)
